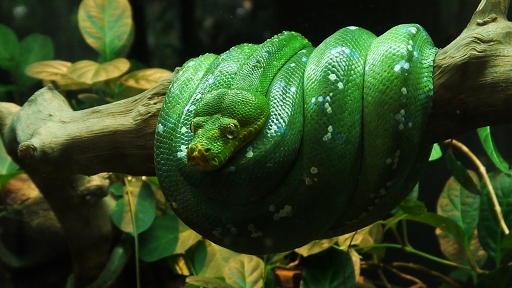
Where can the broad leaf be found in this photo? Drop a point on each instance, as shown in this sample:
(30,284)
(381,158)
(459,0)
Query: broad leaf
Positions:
(33,48)
(414,207)
(208,259)
(368,235)
(436,152)
(456,203)
(331,268)
(455,252)
(316,246)
(106,26)
(445,224)
(117,189)
(490,148)
(6,164)
(489,228)
(145,78)
(9,48)
(460,173)
(166,236)
(499,278)
(202,281)
(48,70)
(244,271)
(137,203)
(90,72)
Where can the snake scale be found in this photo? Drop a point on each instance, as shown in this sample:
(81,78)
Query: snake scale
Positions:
(266,147)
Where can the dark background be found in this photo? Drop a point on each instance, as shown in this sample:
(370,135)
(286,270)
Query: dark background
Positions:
(168,32)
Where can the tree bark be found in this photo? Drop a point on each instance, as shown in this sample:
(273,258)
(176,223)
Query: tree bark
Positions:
(56,145)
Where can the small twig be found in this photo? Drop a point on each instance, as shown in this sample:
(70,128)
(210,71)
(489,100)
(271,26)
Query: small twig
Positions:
(425,269)
(379,266)
(379,270)
(483,172)
(404,228)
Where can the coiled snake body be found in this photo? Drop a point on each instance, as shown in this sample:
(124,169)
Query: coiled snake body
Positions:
(267,147)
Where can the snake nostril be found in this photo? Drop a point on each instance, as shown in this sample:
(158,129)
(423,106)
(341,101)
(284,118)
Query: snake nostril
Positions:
(207,150)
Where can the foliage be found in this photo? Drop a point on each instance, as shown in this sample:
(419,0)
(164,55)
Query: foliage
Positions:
(107,27)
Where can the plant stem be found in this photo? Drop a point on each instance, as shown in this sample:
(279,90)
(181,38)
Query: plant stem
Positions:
(414,251)
(483,172)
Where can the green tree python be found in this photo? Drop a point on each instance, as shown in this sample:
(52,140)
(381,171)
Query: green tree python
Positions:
(267,147)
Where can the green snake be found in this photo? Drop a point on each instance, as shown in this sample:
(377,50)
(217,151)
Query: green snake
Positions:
(267,147)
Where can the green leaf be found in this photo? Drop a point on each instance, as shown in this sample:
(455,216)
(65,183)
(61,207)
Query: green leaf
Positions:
(106,26)
(9,48)
(456,203)
(48,70)
(491,149)
(270,279)
(489,229)
(244,271)
(460,173)
(414,207)
(499,278)
(413,195)
(331,268)
(90,72)
(456,252)
(137,202)
(316,246)
(33,48)
(436,152)
(7,166)
(441,222)
(208,259)
(117,189)
(166,236)
(507,241)
(202,281)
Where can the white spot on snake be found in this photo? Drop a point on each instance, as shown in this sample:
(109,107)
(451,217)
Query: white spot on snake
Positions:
(352,27)
(402,64)
(183,151)
(256,234)
(174,205)
(407,65)
(293,89)
(231,169)
(313,170)
(328,135)
(409,47)
(415,54)
(160,128)
(413,30)
(363,215)
(328,108)
(402,112)
(401,127)
(370,207)
(184,130)
(388,161)
(287,208)
(382,192)
(377,201)
(371,195)
(191,63)
(251,227)
(308,181)
(249,152)
(332,77)
(410,125)
(276,216)
(335,50)
(271,208)
(404,90)
(329,128)
(345,49)
(313,100)
(328,99)
(320,98)
(282,213)
(292,65)
(304,59)
(233,230)
(389,183)
(340,85)
(397,153)
(397,116)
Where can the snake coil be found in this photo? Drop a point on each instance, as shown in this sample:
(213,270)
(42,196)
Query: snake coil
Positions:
(267,147)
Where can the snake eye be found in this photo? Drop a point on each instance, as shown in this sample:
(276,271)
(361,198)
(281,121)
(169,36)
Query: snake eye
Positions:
(231,131)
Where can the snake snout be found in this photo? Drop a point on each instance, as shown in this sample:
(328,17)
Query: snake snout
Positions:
(197,157)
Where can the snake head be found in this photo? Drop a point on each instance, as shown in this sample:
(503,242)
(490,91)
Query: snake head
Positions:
(224,121)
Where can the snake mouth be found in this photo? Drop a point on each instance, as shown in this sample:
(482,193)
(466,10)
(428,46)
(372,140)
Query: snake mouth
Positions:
(197,157)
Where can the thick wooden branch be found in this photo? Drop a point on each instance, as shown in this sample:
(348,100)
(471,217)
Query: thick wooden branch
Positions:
(55,144)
